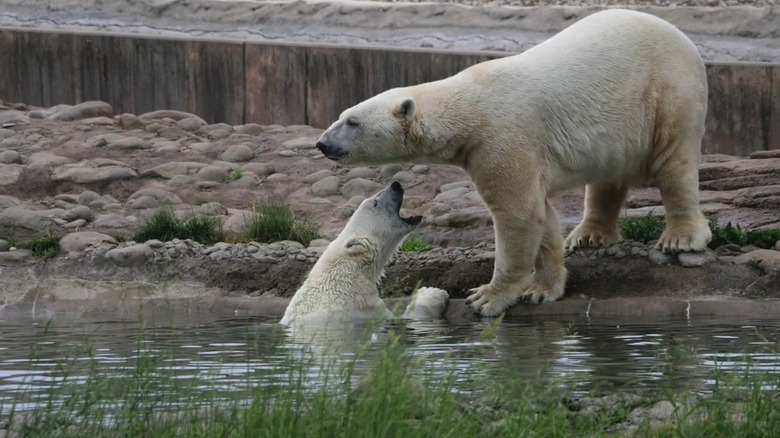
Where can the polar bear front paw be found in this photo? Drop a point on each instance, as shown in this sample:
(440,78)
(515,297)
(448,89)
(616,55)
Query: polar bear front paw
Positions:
(486,301)
(538,293)
(590,235)
(684,239)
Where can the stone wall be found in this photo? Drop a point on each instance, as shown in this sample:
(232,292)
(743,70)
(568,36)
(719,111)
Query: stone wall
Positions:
(236,82)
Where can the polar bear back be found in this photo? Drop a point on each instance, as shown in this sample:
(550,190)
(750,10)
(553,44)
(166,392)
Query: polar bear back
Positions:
(580,90)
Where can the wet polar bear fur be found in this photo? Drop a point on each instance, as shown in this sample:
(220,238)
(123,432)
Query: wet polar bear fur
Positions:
(615,100)
(342,285)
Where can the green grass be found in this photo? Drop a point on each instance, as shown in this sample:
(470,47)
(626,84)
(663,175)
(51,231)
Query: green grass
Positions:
(414,244)
(275,221)
(641,229)
(380,393)
(46,247)
(164,226)
(236,175)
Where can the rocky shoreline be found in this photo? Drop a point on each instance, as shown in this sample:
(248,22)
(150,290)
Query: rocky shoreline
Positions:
(93,178)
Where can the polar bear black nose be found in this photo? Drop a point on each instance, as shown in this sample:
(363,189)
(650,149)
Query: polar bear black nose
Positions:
(396,186)
(322,147)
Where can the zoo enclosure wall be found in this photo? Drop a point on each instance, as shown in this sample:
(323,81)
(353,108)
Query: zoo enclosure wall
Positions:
(239,82)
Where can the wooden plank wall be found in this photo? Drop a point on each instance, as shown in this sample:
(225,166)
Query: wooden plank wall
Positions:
(286,84)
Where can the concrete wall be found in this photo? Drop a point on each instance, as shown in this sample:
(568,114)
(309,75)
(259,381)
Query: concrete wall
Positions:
(236,82)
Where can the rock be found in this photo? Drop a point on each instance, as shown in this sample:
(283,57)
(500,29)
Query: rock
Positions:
(252,129)
(360,172)
(153,127)
(316,176)
(454,185)
(133,255)
(87,175)
(10,157)
(213,173)
(91,108)
(11,118)
(172,133)
(328,186)
(10,258)
(169,170)
(131,121)
(259,169)
(216,131)
(29,219)
(359,187)
(404,177)
(191,123)
(8,201)
(79,212)
(4,245)
(78,223)
(79,241)
(238,153)
(451,194)
(98,121)
(656,256)
(237,221)
(144,202)
(777,245)
(387,171)
(696,259)
(213,209)
(162,196)
(10,173)
(288,153)
(462,219)
(6,133)
(317,243)
(102,140)
(87,197)
(420,169)
(766,259)
(277,177)
(168,114)
(300,143)
(130,143)
(112,221)
(43,159)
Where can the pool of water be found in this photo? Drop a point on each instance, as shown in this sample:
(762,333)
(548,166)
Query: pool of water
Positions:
(229,357)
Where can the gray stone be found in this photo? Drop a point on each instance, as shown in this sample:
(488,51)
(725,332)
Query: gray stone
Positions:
(8,201)
(252,129)
(168,114)
(777,245)
(316,176)
(10,157)
(102,140)
(660,258)
(130,143)
(169,170)
(328,186)
(359,187)
(4,245)
(131,121)
(404,177)
(10,173)
(213,173)
(112,221)
(78,223)
(153,127)
(216,131)
(144,202)
(79,241)
(248,181)
(213,209)
(162,196)
(288,153)
(360,172)
(387,171)
(87,175)
(696,259)
(10,258)
(29,219)
(6,133)
(98,121)
(451,194)
(767,259)
(87,197)
(92,108)
(454,185)
(11,143)
(191,123)
(43,159)
(277,177)
(172,133)
(133,255)
(13,118)
(317,243)
(79,212)
(420,168)
(300,143)
(238,153)
(259,169)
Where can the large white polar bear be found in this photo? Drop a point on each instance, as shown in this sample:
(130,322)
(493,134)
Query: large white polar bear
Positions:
(342,285)
(615,100)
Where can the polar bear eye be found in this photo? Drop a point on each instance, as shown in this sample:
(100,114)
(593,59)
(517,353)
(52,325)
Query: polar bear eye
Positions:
(351,121)
(376,202)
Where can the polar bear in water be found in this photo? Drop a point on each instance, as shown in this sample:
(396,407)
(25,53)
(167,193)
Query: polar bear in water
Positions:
(342,285)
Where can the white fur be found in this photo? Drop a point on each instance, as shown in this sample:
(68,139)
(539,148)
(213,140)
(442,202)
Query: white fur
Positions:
(342,285)
(615,100)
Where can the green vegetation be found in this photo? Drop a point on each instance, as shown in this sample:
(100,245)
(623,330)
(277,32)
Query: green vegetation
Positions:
(647,228)
(414,244)
(236,175)
(641,229)
(164,226)
(381,393)
(275,221)
(46,247)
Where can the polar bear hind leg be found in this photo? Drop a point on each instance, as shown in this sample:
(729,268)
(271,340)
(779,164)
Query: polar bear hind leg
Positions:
(599,226)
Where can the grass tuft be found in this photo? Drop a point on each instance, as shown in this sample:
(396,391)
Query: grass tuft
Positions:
(275,221)
(164,226)
(414,244)
(641,229)
(46,247)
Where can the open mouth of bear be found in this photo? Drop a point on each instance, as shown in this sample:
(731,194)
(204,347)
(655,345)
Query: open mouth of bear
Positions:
(412,220)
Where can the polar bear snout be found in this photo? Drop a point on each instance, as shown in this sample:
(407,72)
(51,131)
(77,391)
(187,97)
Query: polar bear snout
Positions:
(330,150)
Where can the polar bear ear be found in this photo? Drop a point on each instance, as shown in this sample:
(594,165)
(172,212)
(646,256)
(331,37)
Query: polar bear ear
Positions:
(406,108)
(357,246)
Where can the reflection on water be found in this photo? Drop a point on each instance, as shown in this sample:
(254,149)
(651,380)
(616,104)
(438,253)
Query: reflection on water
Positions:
(230,357)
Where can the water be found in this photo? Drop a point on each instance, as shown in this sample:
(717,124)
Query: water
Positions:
(229,357)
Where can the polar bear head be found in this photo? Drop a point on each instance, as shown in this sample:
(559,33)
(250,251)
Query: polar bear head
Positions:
(376,229)
(386,128)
